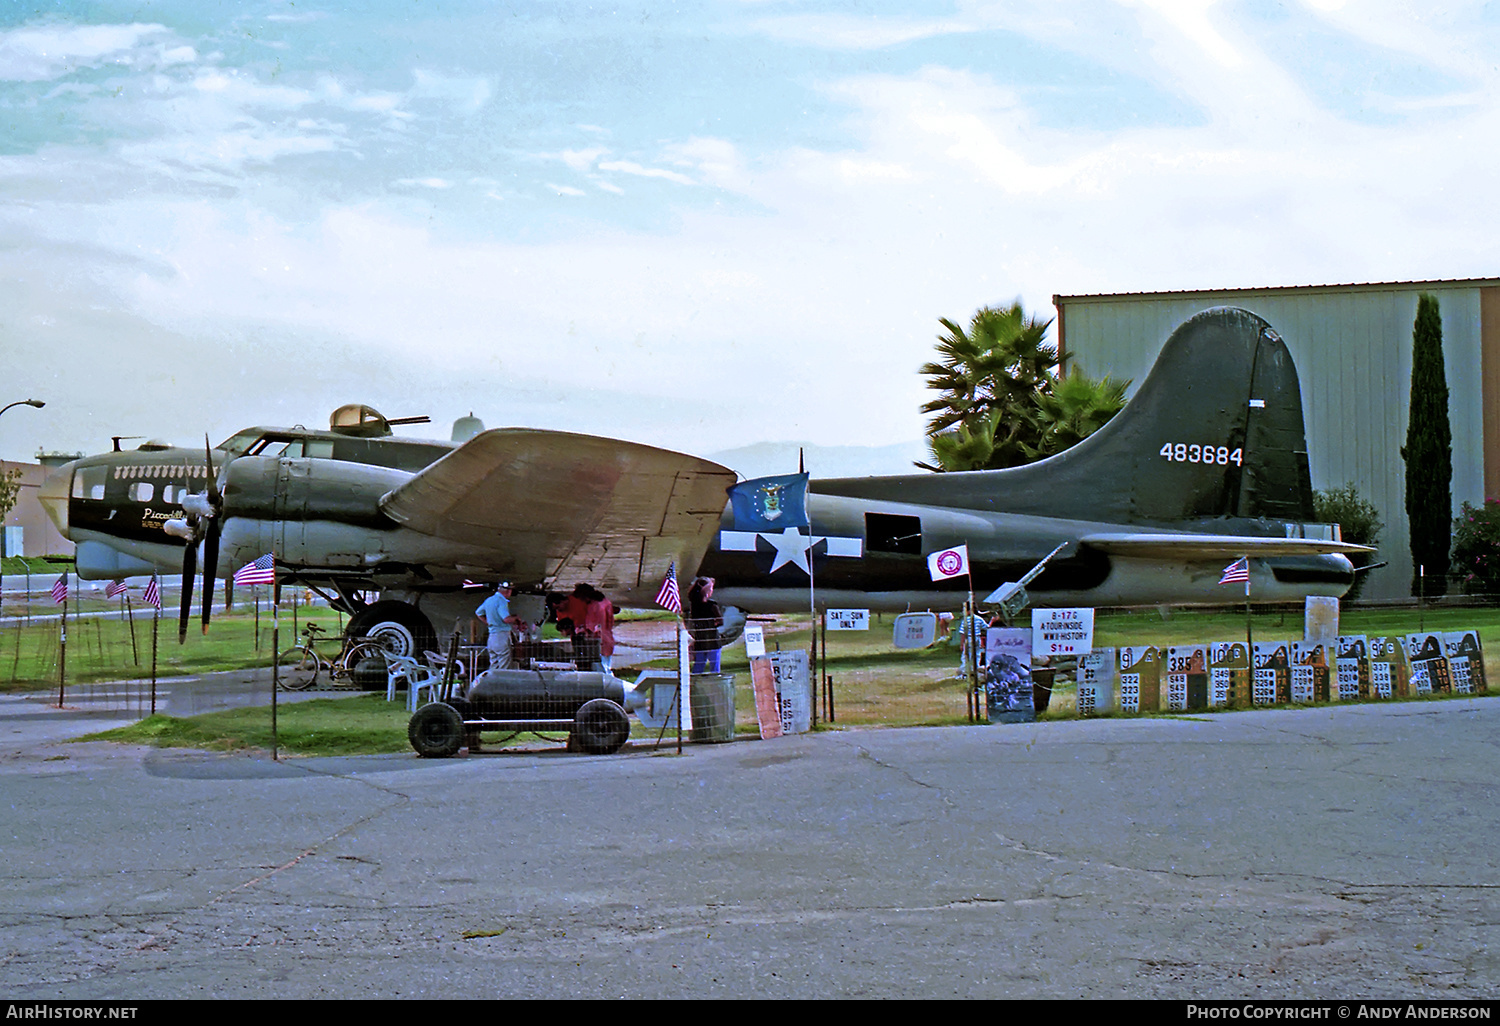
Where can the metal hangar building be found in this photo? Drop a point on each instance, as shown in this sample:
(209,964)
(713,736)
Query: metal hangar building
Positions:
(1353,348)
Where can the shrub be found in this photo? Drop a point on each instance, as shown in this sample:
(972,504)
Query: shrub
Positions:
(1358,520)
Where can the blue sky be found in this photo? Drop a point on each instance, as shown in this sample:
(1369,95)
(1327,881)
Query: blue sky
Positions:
(700,225)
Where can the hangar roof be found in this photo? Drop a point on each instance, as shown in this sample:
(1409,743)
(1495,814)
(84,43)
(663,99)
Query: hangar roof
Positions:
(1384,286)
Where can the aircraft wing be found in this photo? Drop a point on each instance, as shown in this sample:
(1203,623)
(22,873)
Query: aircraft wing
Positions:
(557,508)
(1214,546)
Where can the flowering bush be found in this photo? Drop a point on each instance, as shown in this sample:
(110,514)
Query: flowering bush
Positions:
(1476,548)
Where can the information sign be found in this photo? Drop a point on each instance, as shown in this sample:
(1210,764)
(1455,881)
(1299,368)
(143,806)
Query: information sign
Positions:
(914,630)
(755,640)
(848,619)
(1056,632)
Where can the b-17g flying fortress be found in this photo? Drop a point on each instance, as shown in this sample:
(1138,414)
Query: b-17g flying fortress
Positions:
(354,511)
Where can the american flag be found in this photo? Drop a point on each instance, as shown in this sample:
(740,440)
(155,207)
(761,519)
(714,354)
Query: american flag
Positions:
(60,589)
(114,589)
(669,597)
(153,594)
(1239,570)
(262,571)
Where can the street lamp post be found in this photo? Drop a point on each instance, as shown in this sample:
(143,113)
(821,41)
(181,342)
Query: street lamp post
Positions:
(24,402)
(37,403)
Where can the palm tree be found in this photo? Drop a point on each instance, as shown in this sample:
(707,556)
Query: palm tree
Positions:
(999,403)
(1073,408)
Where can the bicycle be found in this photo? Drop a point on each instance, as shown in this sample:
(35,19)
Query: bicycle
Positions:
(300,666)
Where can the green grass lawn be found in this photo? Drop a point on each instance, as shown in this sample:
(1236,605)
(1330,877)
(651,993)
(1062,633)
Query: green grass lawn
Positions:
(873,684)
(359,725)
(116,649)
(19,566)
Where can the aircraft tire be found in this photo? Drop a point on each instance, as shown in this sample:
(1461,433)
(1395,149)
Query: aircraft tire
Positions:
(400,628)
(601,727)
(436,731)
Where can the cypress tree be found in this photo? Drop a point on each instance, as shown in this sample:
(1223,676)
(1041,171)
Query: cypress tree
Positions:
(1428,453)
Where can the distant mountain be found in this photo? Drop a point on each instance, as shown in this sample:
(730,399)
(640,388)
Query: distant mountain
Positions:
(765,458)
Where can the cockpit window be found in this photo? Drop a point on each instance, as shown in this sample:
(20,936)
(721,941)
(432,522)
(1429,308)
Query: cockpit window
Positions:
(316,448)
(88,482)
(236,445)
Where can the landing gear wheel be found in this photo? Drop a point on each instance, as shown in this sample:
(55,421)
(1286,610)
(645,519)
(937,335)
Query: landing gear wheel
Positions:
(399,628)
(297,669)
(600,728)
(436,731)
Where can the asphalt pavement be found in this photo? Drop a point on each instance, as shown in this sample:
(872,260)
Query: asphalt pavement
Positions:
(1318,853)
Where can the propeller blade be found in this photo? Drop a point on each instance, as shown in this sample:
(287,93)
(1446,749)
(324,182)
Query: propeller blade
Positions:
(211,534)
(214,494)
(189,571)
(210,568)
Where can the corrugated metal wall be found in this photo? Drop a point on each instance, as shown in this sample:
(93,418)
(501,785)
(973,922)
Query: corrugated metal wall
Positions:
(1352,347)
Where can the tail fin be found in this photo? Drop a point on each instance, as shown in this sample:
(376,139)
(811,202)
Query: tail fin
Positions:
(1215,430)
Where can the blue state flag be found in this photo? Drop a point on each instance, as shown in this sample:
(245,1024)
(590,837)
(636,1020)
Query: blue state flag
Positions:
(770,503)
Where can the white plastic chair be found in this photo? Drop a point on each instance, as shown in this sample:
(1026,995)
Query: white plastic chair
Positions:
(417,677)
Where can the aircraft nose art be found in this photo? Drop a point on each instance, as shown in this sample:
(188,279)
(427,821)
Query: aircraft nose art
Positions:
(53,496)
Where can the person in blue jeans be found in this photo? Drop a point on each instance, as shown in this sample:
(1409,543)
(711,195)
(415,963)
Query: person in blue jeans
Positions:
(704,617)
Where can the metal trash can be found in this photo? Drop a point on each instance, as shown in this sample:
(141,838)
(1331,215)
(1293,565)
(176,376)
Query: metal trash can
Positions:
(712,698)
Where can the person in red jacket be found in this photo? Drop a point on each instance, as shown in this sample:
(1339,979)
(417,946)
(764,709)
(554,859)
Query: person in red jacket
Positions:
(599,623)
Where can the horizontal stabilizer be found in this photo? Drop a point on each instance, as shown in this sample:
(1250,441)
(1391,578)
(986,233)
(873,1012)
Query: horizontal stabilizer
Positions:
(1214,546)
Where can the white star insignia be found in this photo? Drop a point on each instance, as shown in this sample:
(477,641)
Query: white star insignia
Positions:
(791,547)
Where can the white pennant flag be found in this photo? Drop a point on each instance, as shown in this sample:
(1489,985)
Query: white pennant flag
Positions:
(949,563)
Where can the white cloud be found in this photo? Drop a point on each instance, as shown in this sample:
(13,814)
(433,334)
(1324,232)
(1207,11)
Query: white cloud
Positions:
(244,91)
(41,52)
(229,151)
(580,160)
(1454,39)
(1190,18)
(630,167)
(875,170)
(848,32)
(717,162)
(465,92)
